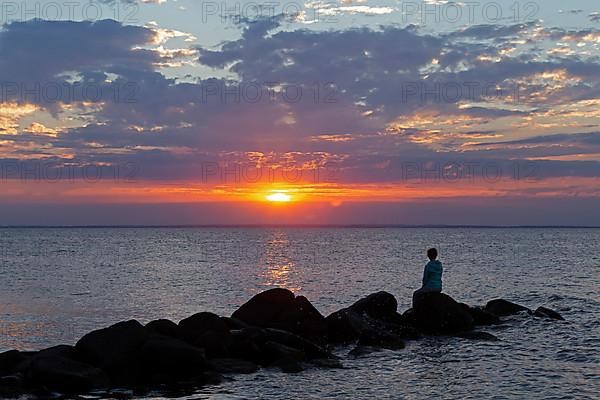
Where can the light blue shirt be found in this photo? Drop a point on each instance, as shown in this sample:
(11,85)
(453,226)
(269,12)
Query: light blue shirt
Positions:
(432,275)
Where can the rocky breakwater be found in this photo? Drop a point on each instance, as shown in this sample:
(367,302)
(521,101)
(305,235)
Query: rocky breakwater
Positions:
(275,329)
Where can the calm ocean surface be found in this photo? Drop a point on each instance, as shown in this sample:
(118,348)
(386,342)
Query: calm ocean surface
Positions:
(57,284)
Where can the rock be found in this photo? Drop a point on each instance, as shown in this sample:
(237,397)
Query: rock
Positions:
(502,308)
(345,326)
(376,312)
(380,306)
(115,350)
(164,327)
(547,313)
(380,339)
(438,313)
(280,309)
(246,344)
(12,386)
(276,351)
(484,336)
(193,327)
(481,316)
(10,360)
(288,365)
(310,349)
(234,323)
(232,366)
(207,330)
(326,363)
(171,359)
(360,351)
(55,372)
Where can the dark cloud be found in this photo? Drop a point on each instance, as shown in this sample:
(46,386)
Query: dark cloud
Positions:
(176,126)
(39,50)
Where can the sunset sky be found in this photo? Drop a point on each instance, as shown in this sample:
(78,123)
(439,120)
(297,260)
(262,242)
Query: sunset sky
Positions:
(353,112)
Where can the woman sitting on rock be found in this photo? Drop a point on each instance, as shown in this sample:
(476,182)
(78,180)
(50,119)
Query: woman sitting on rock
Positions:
(432,276)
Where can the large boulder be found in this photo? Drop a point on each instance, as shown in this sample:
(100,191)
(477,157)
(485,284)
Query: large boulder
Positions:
(345,326)
(116,350)
(59,373)
(502,308)
(281,309)
(167,359)
(207,330)
(11,360)
(164,327)
(246,344)
(376,312)
(380,305)
(440,314)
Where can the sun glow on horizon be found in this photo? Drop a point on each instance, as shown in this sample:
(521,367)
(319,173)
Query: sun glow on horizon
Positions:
(279,197)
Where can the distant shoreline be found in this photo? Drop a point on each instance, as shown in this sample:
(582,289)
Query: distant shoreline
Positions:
(299,226)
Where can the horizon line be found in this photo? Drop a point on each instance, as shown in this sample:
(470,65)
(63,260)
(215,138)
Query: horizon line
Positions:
(365,226)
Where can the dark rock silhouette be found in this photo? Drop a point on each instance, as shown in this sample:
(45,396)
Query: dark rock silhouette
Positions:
(547,313)
(232,366)
(64,374)
(164,327)
(374,313)
(167,360)
(115,350)
(439,314)
(481,316)
(503,308)
(275,329)
(476,335)
(281,309)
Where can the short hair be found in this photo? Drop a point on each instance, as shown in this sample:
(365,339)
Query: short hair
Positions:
(432,253)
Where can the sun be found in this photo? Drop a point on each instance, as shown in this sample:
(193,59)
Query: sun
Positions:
(279,197)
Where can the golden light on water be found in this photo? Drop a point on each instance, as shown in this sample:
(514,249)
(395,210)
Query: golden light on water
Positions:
(279,197)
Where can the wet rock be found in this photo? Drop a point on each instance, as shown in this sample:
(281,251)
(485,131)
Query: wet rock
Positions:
(483,336)
(115,350)
(12,386)
(326,363)
(207,330)
(481,316)
(276,351)
(380,339)
(345,326)
(380,306)
(234,323)
(288,365)
(438,313)
(193,327)
(281,309)
(232,366)
(361,351)
(170,359)
(547,313)
(310,349)
(10,360)
(376,312)
(502,308)
(246,344)
(55,372)
(164,327)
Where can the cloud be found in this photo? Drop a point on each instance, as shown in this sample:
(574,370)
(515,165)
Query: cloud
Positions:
(393,90)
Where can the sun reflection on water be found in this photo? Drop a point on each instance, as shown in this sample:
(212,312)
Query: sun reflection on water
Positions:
(279,264)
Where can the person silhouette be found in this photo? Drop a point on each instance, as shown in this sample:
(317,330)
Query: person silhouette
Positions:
(432,276)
